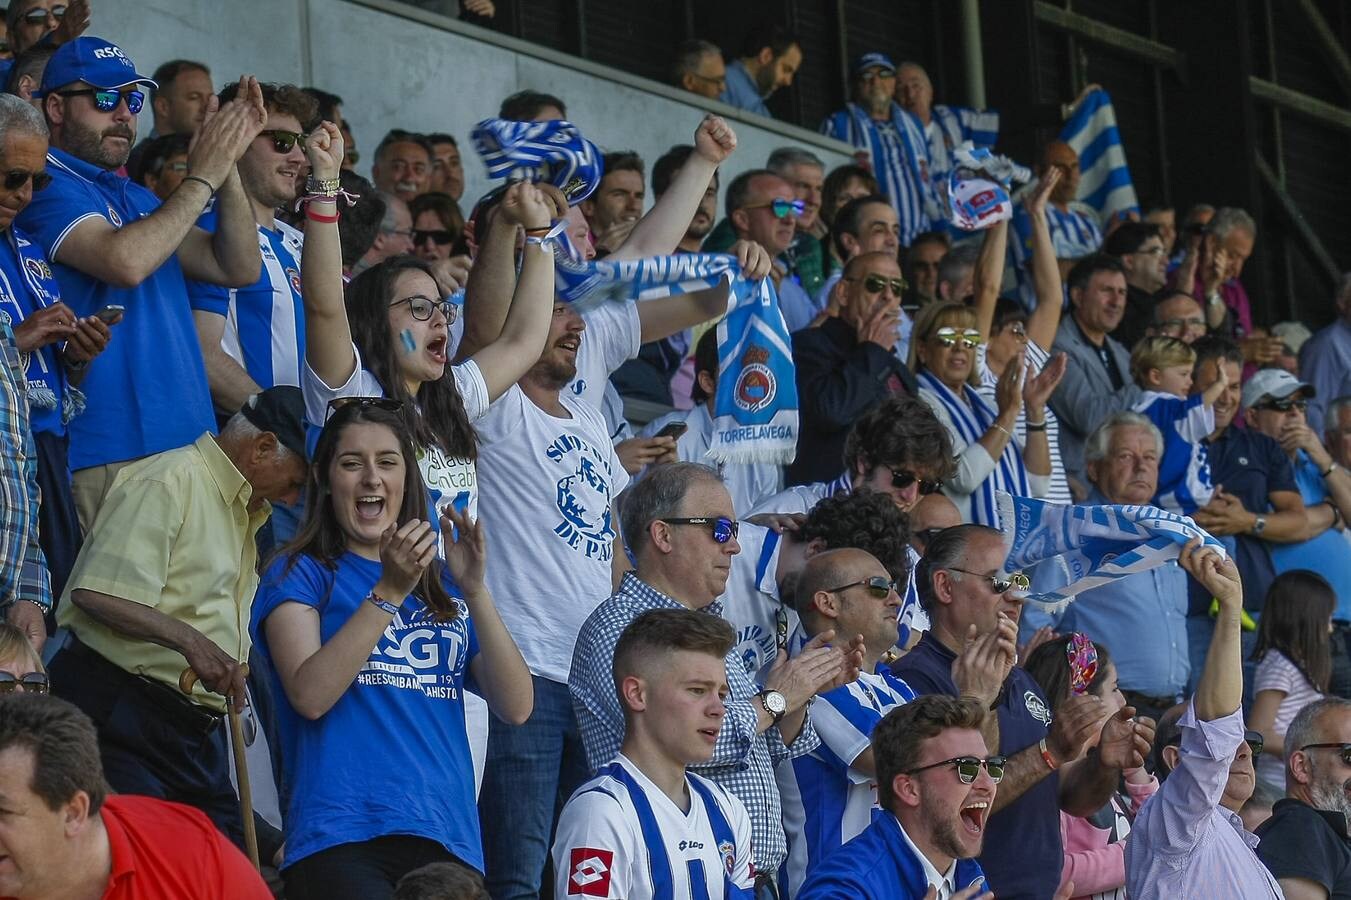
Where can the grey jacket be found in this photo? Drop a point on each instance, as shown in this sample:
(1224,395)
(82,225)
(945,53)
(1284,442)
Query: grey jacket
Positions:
(1084,398)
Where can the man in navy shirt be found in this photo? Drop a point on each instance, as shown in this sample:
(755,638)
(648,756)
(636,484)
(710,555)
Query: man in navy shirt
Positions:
(114,244)
(970,651)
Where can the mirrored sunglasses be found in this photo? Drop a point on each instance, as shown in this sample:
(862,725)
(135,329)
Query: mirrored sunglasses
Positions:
(781,207)
(968,767)
(39,16)
(951,337)
(722,528)
(29,683)
(106,101)
(878,588)
(1000,585)
(875,284)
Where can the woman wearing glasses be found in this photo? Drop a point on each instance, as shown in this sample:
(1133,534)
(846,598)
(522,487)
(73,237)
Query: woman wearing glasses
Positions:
(21,668)
(1095,846)
(943,356)
(438,226)
(373,643)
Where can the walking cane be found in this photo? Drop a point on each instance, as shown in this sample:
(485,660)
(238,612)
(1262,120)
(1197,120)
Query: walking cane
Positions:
(185,683)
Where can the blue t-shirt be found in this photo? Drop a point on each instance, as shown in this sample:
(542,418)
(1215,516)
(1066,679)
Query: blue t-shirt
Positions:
(27,285)
(741,90)
(1325,554)
(391,756)
(147,392)
(1184,474)
(264,322)
(1250,466)
(1022,853)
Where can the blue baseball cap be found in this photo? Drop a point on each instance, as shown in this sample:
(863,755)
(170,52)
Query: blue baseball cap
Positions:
(873,60)
(99,62)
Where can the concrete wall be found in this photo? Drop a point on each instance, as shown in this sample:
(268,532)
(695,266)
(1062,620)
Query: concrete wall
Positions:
(399,67)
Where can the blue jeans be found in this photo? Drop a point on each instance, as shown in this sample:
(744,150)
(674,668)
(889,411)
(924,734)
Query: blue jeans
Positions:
(531,771)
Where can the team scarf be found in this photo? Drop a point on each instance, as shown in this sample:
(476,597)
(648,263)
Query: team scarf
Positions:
(43,288)
(978,187)
(971,418)
(553,152)
(1105,180)
(755,408)
(1096,544)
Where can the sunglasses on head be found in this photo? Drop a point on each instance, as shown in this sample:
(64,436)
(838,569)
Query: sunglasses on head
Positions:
(722,528)
(421,307)
(878,588)
(1343,750)
(39,16)
(901,479)
(1285,405)
(30,683)
(781,207)
(283,141)
(1000,585)
(948,336)
(435,235)
(968,767)
(16,180)
(106,101)
(337,404)
(875,284)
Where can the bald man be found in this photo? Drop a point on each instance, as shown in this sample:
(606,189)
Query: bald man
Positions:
(1075,230)
(930,515)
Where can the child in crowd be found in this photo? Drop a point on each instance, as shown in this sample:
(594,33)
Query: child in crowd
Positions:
(1162,367)
(1294,661)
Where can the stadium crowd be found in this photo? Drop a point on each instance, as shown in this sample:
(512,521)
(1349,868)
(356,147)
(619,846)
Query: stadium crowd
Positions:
(326,539)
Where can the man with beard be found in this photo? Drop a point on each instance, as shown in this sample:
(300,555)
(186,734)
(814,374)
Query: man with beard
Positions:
(936,785)
(250,336)
(115,245)
(770,57)
(1075,232)
(1305,843)
(447,175)
(895,141)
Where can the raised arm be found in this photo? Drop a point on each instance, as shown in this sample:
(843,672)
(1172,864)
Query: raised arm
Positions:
(1044,321)
(666,316)
(658,232)
(328,338)
(989,273)
(1220,690)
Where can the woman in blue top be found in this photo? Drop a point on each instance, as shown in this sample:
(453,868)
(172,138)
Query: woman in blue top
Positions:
(372,644)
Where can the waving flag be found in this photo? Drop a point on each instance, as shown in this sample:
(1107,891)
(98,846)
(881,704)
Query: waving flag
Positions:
(554,152)
(1105,181)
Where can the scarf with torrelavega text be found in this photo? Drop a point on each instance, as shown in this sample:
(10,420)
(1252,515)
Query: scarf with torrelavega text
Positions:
(1097,544)
(755,408)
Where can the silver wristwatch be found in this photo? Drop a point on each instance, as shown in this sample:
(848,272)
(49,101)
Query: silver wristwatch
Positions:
(1259,525)
(774,703)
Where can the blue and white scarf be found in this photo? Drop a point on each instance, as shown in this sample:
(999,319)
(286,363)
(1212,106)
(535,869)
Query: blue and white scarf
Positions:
(553,152)
(1096,544)
(1105,181)
(971,419)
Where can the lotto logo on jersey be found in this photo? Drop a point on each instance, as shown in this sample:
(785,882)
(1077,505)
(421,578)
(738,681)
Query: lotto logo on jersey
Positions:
(590,872)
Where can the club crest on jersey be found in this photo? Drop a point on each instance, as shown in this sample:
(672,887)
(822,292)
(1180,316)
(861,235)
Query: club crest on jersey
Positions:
(589,872)
(37,268)
(293,276)
(1037,708)
(756,385)
(114,217)
(728,853)
(583,497)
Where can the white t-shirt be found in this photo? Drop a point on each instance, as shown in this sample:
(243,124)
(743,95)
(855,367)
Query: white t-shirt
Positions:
(748,483)
(612,338)
(619,829)
(1059,490)
(546,488)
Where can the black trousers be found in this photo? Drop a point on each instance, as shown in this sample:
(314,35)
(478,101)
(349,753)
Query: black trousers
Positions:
(367,870)
(58,523)
(153,741)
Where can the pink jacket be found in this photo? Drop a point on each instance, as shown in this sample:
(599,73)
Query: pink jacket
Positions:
(1092,862)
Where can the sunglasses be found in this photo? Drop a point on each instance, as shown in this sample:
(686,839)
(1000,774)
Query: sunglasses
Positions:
(1018,330)
(901,479)
(338,404)
(31,683)
(175,167)
(722,528)
(106,101)
(780,207)
(1083,659)
(951,337)
(352,157)
(421,307)
(436,236)
(875,284)
(879,588)
(39,16)
(1343,750)
(16,180)
(1285,405)
(282,141)
(968,767)
(1000,585)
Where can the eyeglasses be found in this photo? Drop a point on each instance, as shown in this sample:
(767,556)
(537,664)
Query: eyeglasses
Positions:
(283,141)
(436,236)
(388,404)
(16,180)
(875,284)
(1344,750)
(951,337)
(782,208)
(106,101)
(722,528)
(1182,324)
(421,307)
(1083,659)
(901,479)
(997,584)
(879,588)
(30,683)
(720,81)
(39,16)
(1285,405)
(1018,330)
(968,767)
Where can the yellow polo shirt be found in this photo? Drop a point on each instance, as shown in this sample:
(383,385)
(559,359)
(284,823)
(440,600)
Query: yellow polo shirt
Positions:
(175,534)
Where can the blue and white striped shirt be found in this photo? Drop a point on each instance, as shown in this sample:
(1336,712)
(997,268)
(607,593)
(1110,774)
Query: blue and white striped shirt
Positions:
(1184,472)
(1075,232)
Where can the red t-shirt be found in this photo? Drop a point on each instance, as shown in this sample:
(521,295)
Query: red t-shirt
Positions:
(168,851)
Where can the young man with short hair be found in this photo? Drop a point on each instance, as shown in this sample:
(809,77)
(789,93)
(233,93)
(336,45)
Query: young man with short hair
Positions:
(644,822)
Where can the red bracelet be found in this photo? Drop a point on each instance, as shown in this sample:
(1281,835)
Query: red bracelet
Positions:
(317,217)
(1047,757)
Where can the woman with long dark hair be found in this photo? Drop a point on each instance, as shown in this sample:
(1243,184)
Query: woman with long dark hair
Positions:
(372,637)
(1294,661)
